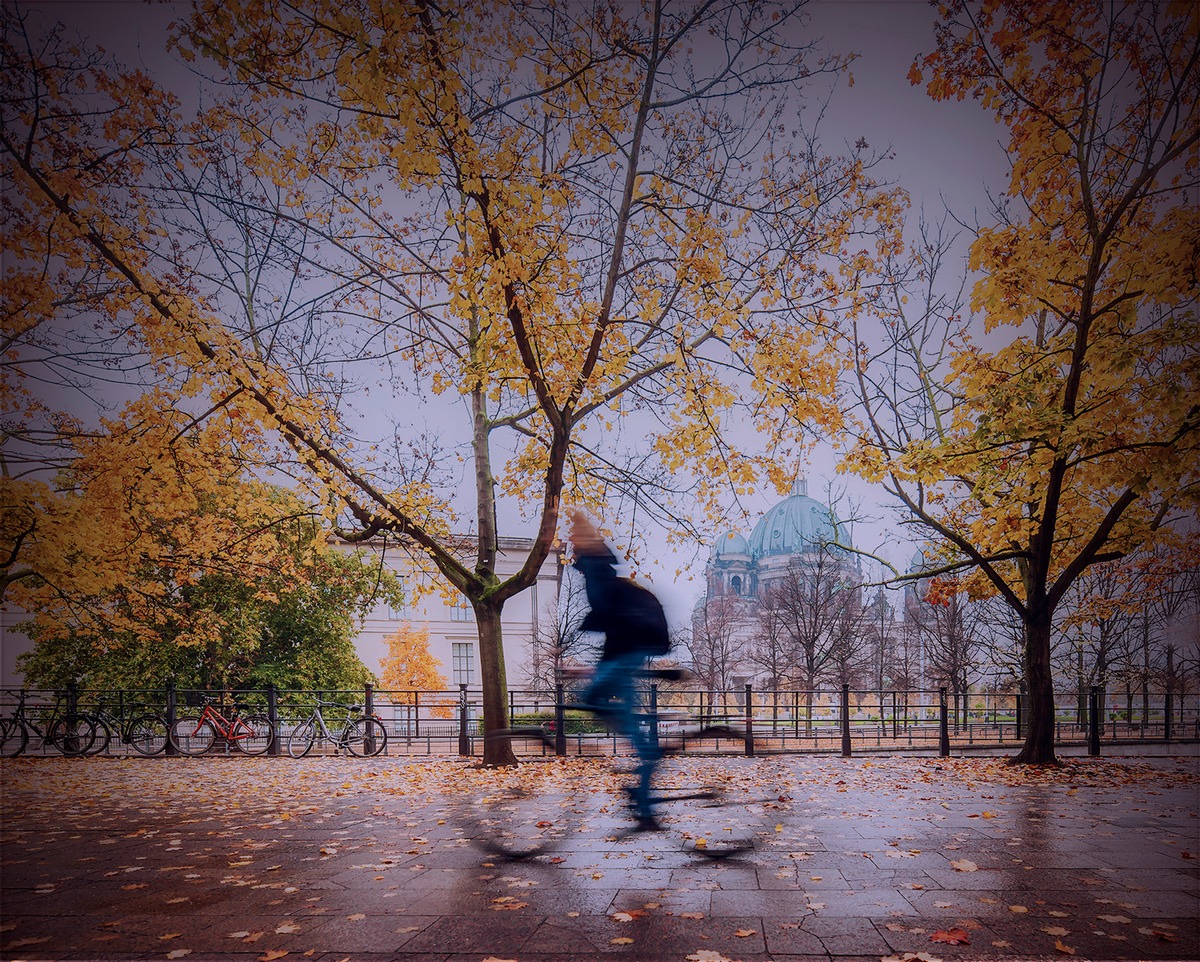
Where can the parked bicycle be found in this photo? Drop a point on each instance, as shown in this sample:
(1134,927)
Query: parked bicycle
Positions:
(143,730)
(529,811)
(66,731)
(359,734)
(195,734)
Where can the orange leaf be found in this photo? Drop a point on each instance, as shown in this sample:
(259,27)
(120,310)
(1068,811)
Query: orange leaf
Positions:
(951,936)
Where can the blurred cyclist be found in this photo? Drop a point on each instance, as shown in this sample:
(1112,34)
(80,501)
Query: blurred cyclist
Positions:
(635,629)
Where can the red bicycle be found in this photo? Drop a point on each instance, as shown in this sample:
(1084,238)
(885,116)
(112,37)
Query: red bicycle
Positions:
(195,734)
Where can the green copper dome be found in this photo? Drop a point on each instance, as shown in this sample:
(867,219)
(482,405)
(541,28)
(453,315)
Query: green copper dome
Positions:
(731,542)
(795,525)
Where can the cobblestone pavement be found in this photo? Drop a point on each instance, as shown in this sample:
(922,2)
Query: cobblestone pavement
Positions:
(348,859)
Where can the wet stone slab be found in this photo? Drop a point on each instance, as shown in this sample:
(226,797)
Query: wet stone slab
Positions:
(323,862)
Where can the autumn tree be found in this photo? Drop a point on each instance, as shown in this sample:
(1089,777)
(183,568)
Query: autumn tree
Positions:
(285,614)
(408,664)
(544,217)
(1064,434)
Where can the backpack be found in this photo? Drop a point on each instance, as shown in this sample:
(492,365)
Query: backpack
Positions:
(643,618)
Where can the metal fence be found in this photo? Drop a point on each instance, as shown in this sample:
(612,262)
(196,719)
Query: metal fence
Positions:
(825,721)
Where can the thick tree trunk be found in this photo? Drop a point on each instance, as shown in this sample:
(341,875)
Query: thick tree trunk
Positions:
(496,752)
(1039,731)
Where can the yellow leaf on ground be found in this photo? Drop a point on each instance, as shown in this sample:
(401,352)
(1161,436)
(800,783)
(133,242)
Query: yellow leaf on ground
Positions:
(1064,949)
(621,940)
(745,933)
(964,865)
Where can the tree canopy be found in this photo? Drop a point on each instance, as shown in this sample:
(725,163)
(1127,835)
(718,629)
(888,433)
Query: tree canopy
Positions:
(1064,433)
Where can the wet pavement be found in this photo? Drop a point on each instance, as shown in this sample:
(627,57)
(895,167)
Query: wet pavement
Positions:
(349,859)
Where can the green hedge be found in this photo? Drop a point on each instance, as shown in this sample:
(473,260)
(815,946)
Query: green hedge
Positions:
(574,722)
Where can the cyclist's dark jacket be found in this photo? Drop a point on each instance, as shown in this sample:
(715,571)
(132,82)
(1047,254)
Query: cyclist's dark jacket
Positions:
(630,617)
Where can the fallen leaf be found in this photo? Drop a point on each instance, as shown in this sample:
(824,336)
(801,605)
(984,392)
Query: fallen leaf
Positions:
(1054,930)
(169,935)
(408,928)
(1019,909)
(178,953)
(287,929)
(621,940)
(745,933)
(1064,949)
(911,957)
(964,865)
(356,917)
(706,955)
(1116,919)
(951,936)
(691,915)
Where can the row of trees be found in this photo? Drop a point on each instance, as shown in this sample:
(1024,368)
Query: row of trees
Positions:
(427,259)
(1124,629)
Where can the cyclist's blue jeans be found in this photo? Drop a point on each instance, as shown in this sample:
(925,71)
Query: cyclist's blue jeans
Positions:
(613,696)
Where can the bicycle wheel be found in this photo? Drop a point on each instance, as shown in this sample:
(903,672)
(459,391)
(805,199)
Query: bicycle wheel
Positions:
(302,739)
(190,735)
(525,811)
(253,734)
(719,810)
(72,734)
(13,738)
(148,734)
(366,737)
(103,735)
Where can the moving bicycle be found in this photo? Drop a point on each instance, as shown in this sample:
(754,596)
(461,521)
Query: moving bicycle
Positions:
(671,786)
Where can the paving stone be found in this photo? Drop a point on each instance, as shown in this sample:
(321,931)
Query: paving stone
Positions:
(378,871)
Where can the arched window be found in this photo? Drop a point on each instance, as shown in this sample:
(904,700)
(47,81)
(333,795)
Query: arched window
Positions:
(736,584)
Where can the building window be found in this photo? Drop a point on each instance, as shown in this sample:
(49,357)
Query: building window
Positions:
(460,610)
(736,584)
(462,655)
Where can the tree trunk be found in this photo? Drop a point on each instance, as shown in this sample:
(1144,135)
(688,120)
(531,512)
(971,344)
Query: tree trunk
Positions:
(496,752)
(1039,731)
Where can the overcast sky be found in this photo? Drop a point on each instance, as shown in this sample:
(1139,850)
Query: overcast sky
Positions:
(944,152)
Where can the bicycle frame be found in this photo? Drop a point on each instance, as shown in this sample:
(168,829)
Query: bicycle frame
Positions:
(231,730)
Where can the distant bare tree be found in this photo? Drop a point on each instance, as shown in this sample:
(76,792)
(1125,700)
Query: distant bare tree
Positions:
(719,643)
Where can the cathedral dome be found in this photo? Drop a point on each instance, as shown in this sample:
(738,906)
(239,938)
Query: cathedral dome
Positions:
(731,542)
(795,525)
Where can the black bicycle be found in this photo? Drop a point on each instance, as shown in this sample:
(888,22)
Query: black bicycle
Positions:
(143,730)
(48,726)
(529,810)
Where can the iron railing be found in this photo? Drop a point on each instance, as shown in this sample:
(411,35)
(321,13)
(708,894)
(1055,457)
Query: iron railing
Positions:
(823,721)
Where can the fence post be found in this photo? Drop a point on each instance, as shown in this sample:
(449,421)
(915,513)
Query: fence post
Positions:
(464,743)
(1020,712)
(1094,721)
(943,724)
(72,698)
(749,720)
(895,729)
(653,733)
(560,721)
(1168,698)
(845,721)
(273,718)
(369,712)
(512,707)
(171,718)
